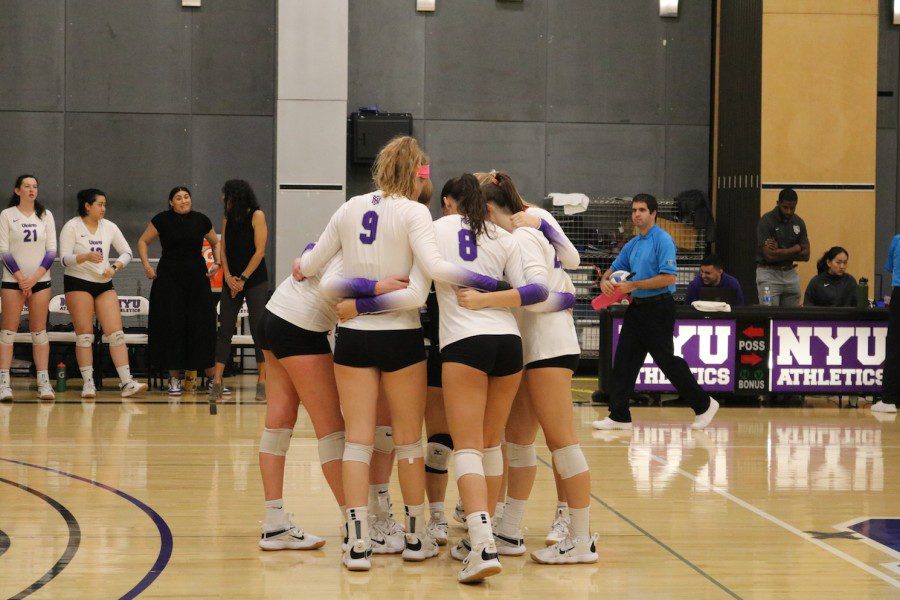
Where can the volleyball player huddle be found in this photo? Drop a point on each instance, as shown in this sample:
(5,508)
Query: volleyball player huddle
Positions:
(28,249)
(508,349)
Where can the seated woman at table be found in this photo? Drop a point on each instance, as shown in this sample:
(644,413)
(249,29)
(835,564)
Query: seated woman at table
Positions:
(833,286)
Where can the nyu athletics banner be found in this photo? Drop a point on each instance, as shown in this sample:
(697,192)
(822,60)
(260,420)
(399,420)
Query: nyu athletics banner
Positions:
(708,347)
(824,356)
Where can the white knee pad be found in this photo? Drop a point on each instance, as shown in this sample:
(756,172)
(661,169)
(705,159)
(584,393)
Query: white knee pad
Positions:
(468,462)
(493,462)
(410,452)
(437,455)
(117,338)
(519,456)
(7,336)
(569,461)
(358,452)
(331,447)
(39,338)
(384,439)
(84,340)
(275,441)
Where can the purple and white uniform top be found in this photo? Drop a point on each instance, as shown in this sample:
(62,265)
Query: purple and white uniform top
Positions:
(75,238)
(548,329)
(301,303)
(565,251)
(380,236)
(26,243)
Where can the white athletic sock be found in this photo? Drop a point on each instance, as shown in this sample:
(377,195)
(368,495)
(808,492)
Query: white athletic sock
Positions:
(436,508)
(415,518)
(43,377)
(380,500)
(562,508)
(581,522)
(479,528)
(87,375)
(511,524)
(274,514)
(4,377)
(358,523)
(124,373)
(498,510)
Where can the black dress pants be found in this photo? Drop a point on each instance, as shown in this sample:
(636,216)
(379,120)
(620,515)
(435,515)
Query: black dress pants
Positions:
(649,326)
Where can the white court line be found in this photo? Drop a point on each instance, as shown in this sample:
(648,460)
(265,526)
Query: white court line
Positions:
(786,526)
(845,526)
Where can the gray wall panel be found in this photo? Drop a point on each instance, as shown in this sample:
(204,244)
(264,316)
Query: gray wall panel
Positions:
(487,61)
(226,78)
(688,64)
(387,56)
(606,160)
(40,155)
(136,159)
(231,147)
(687,158)
(127,56)
(607,62)
(32,42)
(459,147)
(359,176)
(886,190)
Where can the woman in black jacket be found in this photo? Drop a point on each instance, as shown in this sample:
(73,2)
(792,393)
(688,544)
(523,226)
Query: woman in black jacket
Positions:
(833,286)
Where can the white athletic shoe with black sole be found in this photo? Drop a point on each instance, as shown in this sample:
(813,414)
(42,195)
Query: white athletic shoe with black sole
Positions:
(481,563)
(89,390)
(559,529)
(45,392)
(387,536)
(174,387)
(131,388)
(419,547)
(290,537)
(703,420)
(461,549)
(509,546)
(459,515)
(437,528)
(568,552)
(6,393)
(357,556)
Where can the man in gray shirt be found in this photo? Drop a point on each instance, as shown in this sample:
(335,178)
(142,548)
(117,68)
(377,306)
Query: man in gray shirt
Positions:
(780,241)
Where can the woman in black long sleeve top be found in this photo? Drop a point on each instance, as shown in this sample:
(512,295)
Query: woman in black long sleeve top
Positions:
(833,286)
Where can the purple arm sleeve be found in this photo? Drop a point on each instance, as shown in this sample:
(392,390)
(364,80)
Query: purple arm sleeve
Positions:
(10,262)
(532,293)
(48,260)
(352,288)
(365,306)
(563,300)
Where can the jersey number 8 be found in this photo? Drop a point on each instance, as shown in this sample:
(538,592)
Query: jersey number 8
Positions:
(468,249)
(370,224)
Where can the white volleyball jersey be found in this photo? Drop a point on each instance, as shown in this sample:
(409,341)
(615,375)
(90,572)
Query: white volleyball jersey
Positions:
(300,302)
(26,242)
(379,236)
(565,251)
(546,334)
(496,253)
(75,238)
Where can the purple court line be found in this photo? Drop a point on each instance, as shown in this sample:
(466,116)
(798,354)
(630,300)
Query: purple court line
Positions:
(165,534)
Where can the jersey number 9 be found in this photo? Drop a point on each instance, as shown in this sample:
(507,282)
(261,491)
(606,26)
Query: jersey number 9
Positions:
(468,249)
(370,224)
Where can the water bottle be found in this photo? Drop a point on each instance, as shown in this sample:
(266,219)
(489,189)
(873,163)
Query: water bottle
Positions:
(767,296)
(61,377)
(862,293)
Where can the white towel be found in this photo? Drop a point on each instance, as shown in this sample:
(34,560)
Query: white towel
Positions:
(709,306)
(572,203)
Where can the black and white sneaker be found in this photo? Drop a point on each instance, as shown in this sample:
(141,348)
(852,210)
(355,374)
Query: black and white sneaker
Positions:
(387,535)
(510,546)
(481,563)
(559,529)
(437,528)
(356,557)
(461,550)
(289,537)
(419,547)
(568,552)
(459,515)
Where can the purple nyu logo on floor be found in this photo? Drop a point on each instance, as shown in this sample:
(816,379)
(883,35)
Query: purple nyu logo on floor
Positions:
(822,356)
(707,346)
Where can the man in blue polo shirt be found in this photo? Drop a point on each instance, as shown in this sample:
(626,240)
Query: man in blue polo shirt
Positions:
(649,323)
(890,388)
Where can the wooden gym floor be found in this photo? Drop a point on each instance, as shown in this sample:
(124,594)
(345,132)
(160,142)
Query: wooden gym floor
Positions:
(160,498)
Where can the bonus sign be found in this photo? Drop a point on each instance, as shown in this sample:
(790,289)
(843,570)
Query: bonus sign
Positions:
(822,356)
(706,345)
(752,356)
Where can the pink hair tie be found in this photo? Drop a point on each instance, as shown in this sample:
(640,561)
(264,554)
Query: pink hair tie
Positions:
(424,172)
